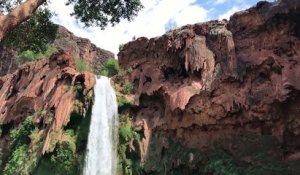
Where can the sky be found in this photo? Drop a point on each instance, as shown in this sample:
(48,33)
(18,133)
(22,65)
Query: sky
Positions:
(157,17)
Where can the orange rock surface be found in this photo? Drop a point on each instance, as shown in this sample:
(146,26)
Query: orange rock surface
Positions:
(44,85)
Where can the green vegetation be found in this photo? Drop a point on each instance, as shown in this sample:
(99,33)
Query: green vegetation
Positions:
(22,159)
(34,34)
(81,65)
(128,163)
(109,68)
(66,157)
(78,87)
(30,55)
(128,88)
(35,23)
(252,155)
(17,162)
(123,102)
(63,159)
(19,136)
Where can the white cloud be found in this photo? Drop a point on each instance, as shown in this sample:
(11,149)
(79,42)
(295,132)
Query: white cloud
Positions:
(230,12)
(150,22)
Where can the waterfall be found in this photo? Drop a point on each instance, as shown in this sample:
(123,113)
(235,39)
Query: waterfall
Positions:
(101,155)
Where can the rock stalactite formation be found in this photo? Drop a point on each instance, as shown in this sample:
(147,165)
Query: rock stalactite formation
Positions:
(46,85)
(207,82)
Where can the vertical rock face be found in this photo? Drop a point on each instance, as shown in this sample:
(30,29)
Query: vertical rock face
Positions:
(205,83)
(47,85)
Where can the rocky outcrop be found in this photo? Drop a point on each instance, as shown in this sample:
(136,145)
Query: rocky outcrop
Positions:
(8,61)
(215,81)
(44,89)
(81,48)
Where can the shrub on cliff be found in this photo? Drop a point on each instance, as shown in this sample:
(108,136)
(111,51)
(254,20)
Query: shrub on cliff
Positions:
(63,159)
(20,159)
(128,88)
(81,65)
(109,68)
(30,55)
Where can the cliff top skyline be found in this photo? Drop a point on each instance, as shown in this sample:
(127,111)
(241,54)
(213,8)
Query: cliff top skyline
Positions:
(157,17)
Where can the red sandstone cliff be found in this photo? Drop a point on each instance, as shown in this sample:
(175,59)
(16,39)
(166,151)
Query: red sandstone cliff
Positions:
(207,82)
(44,89)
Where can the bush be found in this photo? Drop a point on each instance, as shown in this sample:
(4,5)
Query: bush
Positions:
(109,68)
(81,65)
(126,132)
(123,102)
(128,163)
(63,159)
(30,55)
(128,88)
(19,136)
(18,159)
(21,161)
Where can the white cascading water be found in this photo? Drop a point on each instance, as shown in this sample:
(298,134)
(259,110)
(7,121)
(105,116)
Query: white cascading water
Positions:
(101,155)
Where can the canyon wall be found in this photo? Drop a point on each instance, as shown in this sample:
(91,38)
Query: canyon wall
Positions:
(44,111)
(220,85)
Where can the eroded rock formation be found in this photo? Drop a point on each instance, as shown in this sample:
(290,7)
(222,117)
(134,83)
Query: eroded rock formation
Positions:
(44,89)
(208,82)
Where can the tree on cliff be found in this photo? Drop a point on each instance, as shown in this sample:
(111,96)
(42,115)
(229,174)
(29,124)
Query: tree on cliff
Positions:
(98,13)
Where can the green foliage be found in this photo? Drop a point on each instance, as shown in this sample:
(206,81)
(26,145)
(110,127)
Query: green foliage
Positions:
(40,31)
(91,13)
(78,87)
(22,158)
(6,6)
(128,163)
(63,159)
(123,102)
(19,136)
(29,55)
(126,132)
(128,88)
(33,34)
(252,155)
(222,163)
(17,161)
(109,68)
(81,65)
